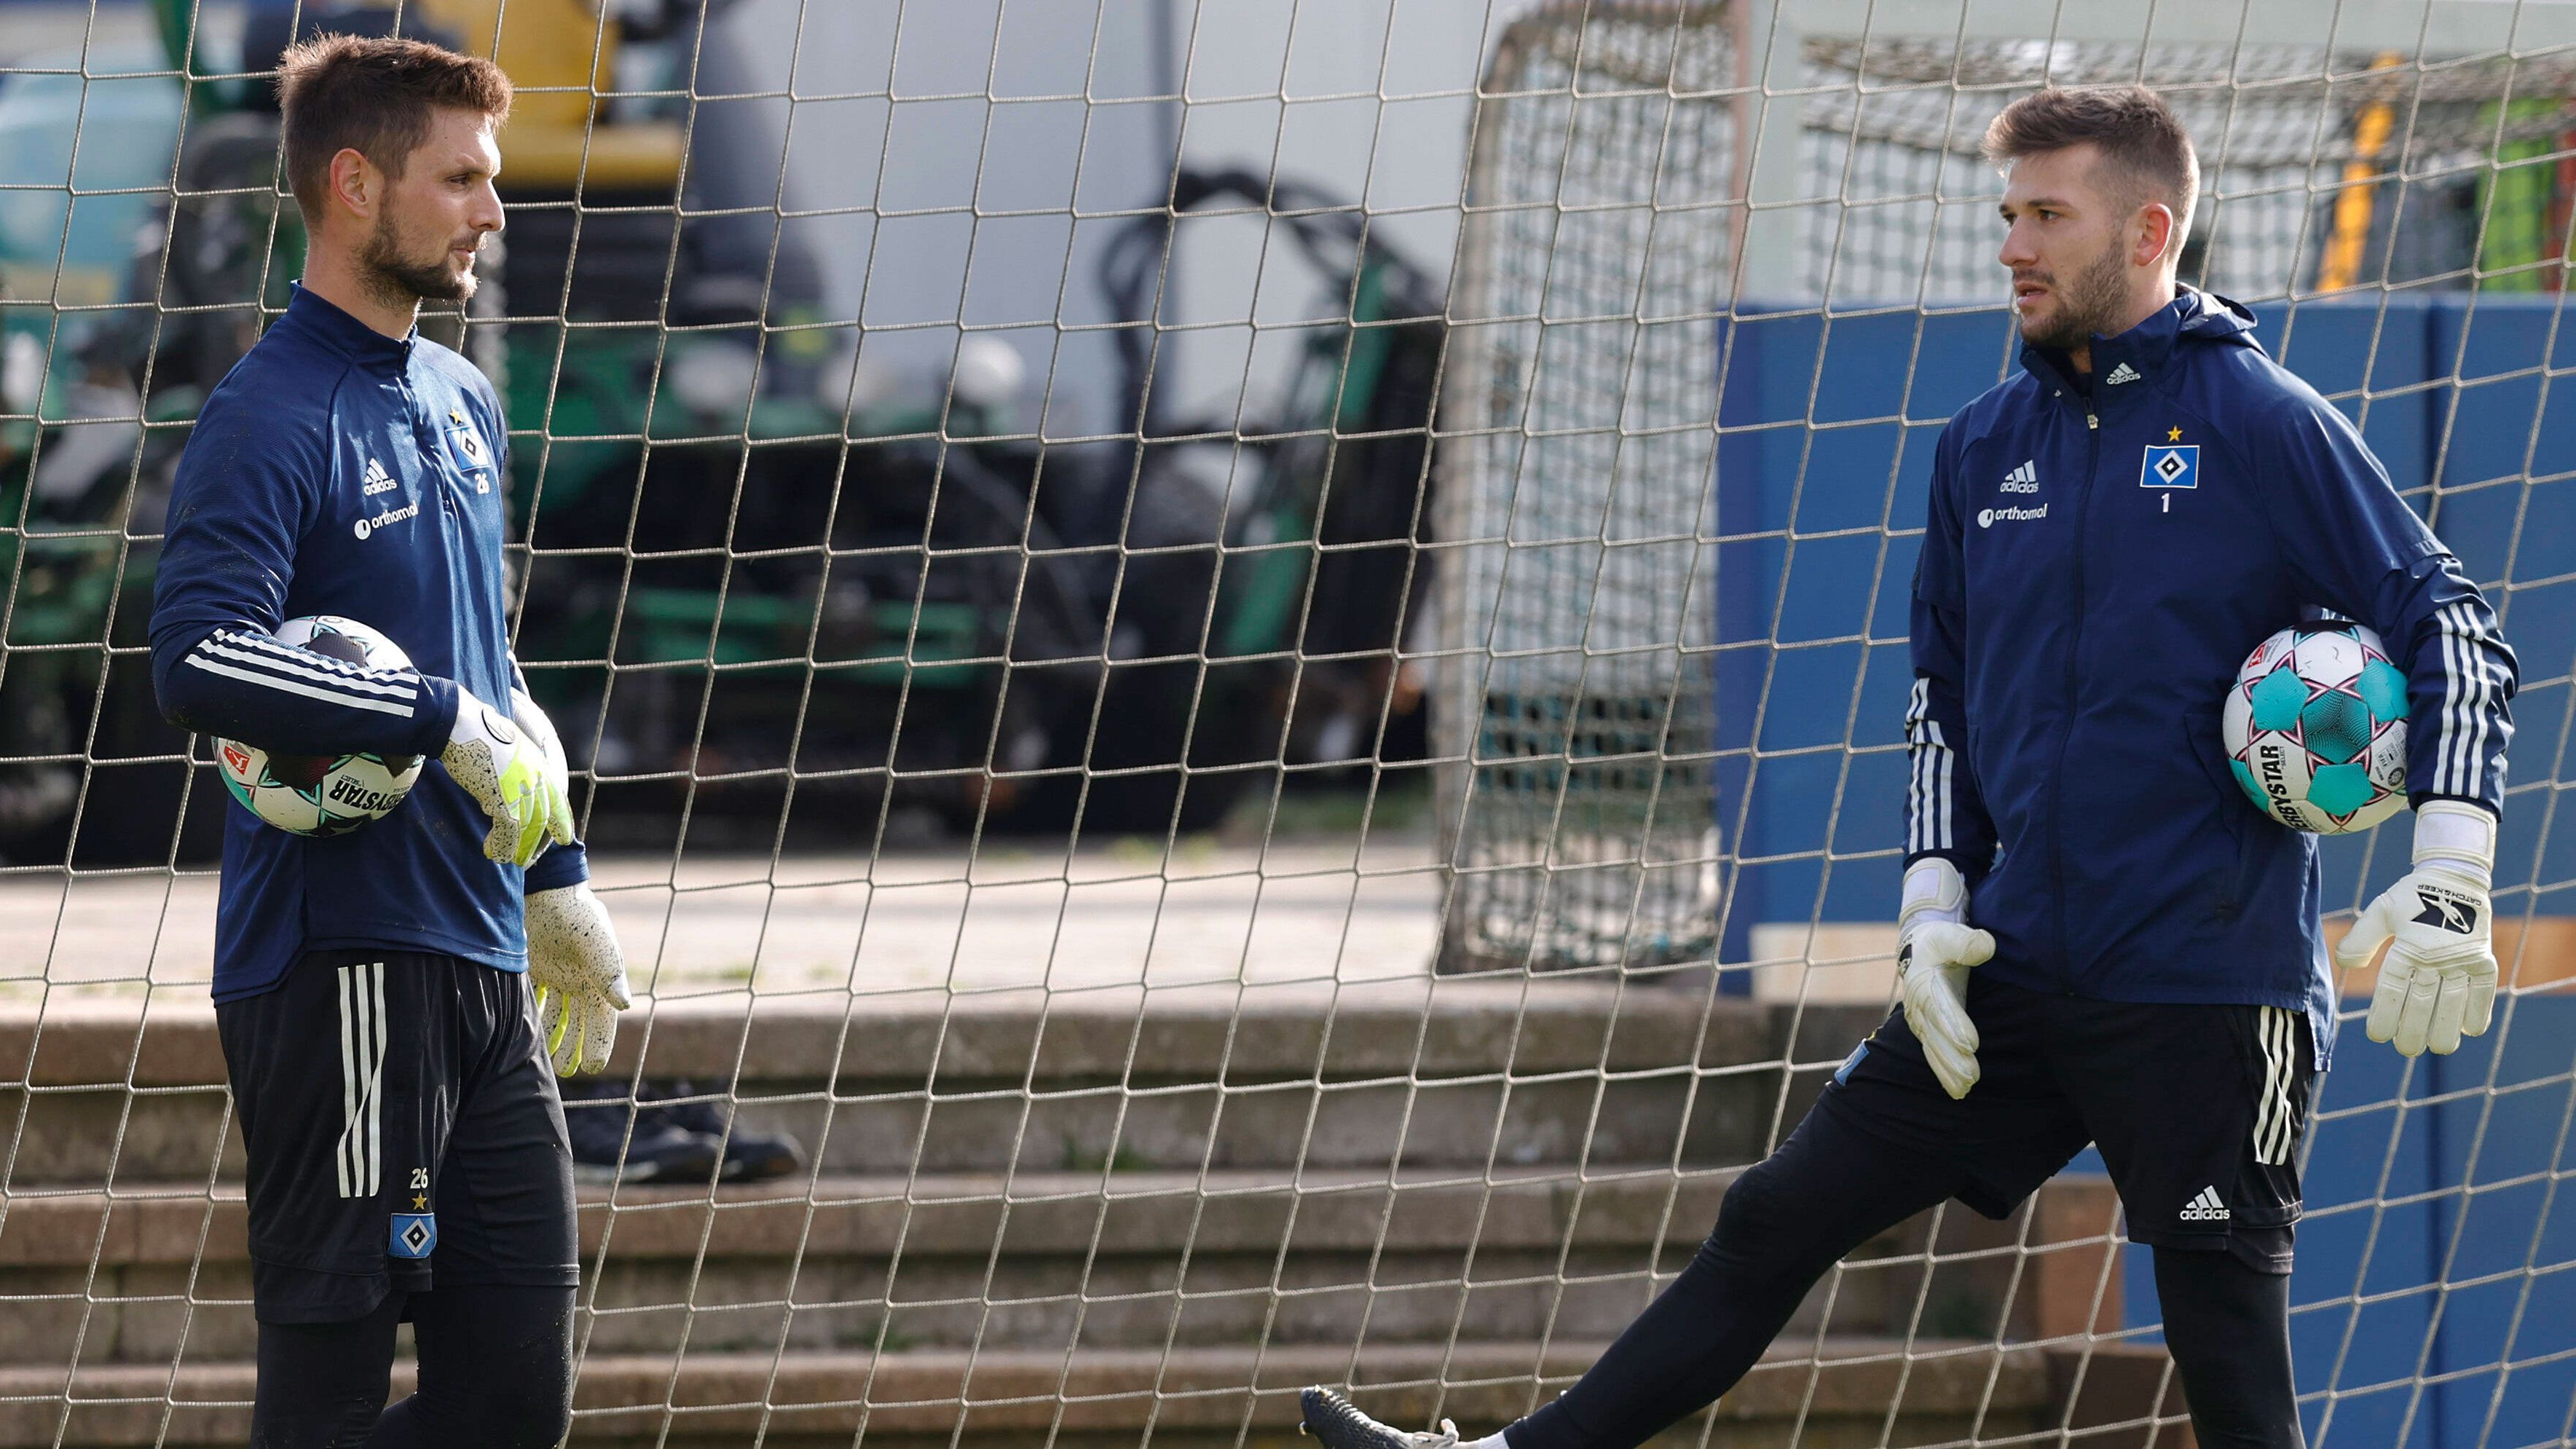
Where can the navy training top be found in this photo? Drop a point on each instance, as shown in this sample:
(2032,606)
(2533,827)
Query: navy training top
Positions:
(2098,564)
(336,470)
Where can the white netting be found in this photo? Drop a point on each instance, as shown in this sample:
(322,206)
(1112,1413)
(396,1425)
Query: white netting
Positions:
(1893,130)
(1574,692)
(1245,662)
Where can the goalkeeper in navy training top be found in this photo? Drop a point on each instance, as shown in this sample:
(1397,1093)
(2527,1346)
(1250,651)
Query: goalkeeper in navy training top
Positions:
(406,1146)
(2101,941)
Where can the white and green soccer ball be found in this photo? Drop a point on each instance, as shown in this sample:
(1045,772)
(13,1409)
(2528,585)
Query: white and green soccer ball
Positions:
(2315,729)
(322,794)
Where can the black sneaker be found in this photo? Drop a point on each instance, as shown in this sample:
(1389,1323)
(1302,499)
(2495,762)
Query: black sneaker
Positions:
(748,1156)
(1338,1424)
(596,1115)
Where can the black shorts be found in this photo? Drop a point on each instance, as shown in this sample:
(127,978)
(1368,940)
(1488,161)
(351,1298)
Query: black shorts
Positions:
(398,1118)
(2198,1110)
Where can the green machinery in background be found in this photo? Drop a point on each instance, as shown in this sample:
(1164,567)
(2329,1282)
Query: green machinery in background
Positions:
(730,577)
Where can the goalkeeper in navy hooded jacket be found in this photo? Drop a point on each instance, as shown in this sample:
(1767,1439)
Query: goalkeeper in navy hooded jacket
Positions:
(406,1145)
(2101,940)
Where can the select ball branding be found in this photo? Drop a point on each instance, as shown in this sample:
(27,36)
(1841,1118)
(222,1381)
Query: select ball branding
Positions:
(320,794)
(2315,729)
(348,793)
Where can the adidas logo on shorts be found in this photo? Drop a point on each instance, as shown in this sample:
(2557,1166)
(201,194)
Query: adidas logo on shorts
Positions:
(2205,1208)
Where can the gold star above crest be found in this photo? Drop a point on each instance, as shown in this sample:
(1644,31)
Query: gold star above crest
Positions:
(456,415)
(419,1201)
(2173,435)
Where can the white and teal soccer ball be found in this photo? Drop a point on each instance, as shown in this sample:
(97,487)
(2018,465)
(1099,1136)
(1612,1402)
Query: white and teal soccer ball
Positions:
(321,794)
(2315,729)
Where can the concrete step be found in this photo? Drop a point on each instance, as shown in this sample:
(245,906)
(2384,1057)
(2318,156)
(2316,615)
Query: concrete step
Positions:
(1840,1392)
(1440,1072)
(1055,1261)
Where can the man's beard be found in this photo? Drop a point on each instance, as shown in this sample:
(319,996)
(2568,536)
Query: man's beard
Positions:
(399,281)
(2089,302)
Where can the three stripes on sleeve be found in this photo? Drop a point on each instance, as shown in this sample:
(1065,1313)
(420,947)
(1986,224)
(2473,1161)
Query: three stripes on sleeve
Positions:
(238,683)
(1928,790)
(259,660)
(2476,678)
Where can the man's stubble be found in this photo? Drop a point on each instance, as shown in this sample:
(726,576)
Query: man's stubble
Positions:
(398,281)
(2090,302)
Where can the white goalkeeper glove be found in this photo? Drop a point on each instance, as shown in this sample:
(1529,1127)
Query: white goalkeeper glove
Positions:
(579,976)
(2439,981)
(557,778)
(1934,949)
(504,770)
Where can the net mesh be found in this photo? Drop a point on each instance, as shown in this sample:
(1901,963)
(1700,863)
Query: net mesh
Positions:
(1575,694)
(1235,676)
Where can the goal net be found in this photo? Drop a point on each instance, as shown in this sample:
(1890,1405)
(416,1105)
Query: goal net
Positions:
(1235,673)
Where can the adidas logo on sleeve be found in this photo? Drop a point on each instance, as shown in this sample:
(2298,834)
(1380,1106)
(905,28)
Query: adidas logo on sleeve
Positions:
(2206,1208)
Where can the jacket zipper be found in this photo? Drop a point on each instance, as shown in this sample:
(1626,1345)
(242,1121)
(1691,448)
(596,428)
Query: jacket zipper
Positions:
(2065,734)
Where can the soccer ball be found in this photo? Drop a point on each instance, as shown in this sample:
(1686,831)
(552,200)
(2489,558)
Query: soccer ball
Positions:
(2315,729)
(317,794)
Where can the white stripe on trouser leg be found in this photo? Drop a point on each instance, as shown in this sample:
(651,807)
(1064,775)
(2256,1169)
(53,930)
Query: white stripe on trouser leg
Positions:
(362,1069)
(376,1083)
(349,1079)
(2285,1117)
(2272,1109)
(2267,1024)
(2271,1076)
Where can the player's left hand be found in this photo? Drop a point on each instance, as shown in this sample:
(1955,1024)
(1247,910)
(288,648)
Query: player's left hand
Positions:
(579,976)
(555,780)
(2439,981)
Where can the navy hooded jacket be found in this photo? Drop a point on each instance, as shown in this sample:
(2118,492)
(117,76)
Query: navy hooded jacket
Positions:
(2096,568)
(336,470)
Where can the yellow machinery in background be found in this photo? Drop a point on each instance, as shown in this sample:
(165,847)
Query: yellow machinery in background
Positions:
(562,57)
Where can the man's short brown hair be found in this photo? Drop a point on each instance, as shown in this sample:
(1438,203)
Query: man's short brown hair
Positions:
(374,95)
(2136,133)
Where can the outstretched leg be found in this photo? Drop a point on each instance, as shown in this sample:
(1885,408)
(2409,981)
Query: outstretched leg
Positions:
(1830,1188)
(1883,1143)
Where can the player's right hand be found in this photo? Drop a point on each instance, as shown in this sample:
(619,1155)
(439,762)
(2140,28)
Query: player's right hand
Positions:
(1934,949)
(504,770)
(558,772)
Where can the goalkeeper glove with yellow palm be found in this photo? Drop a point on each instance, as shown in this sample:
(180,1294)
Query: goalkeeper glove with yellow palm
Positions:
(505,771)
(556,780)
(579,975)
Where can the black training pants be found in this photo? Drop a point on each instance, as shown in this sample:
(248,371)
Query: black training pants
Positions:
(495,1372)
(1832,1187)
